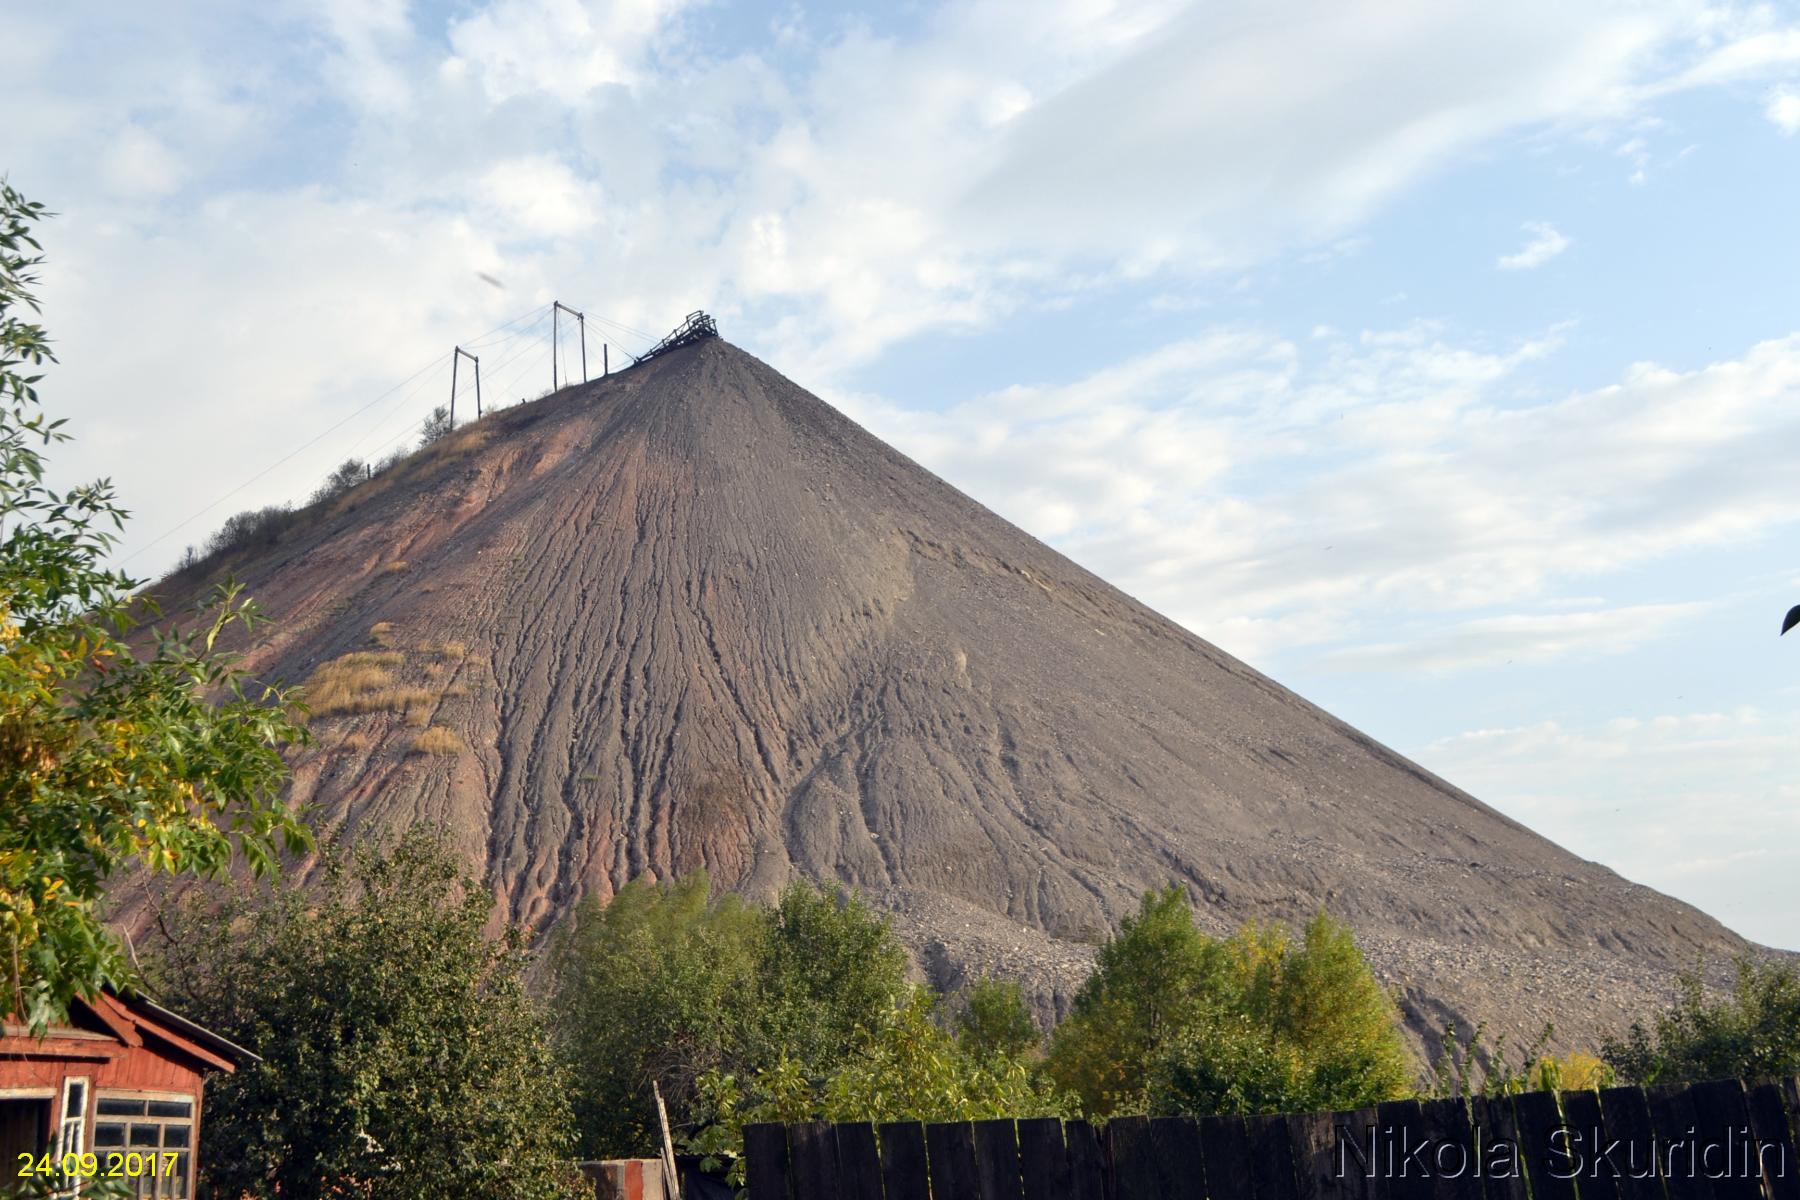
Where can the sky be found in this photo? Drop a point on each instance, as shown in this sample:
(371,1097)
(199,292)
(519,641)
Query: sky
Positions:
(1440,359)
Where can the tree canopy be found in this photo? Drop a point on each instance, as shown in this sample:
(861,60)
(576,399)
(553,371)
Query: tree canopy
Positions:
(1750,1032)
(401,1056)
(1175,1021)
(120,747)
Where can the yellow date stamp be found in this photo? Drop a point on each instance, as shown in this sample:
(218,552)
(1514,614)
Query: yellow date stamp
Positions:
(115,1164)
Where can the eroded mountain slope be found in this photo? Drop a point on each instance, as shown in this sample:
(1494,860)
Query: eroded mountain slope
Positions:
(690,616)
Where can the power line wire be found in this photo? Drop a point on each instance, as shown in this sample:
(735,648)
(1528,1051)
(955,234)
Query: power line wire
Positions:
(303,447)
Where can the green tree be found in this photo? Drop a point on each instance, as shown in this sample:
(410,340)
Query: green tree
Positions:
(667,983)
(995,1020)
(1174,1021)
(1293,1027)
(1751,1032)
(829,972)
(907,1066)
(402,1057)
(658,985)
(1149,983)
(118,750)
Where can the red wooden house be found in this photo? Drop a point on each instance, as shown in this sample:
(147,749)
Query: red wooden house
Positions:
(123,1080)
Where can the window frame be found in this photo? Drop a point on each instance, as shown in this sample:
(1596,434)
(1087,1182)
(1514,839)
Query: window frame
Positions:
(80,1120)
(148,1097)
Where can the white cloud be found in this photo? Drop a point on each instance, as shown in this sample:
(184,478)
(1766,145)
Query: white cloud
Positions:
(1631,792)
(138,164)
(566,48)
(537,196)
(1273,495)
(1545,244)
(1784,110)
(1519,638)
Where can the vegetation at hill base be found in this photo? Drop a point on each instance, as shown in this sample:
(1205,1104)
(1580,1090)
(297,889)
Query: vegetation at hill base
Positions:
(741,1013)
(1752,1032)
(401,1055)
(120,748)
(1175,1021)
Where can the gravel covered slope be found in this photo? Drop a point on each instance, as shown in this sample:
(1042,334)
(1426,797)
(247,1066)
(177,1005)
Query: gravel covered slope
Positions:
(706,621)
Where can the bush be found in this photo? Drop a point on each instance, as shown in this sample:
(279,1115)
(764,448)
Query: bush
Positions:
(436,426)
(401,1057)
(1752,1032)
(254,528)
(347,475)
(995,1020)
(1172,1021)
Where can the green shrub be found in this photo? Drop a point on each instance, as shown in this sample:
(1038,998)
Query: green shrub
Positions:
(1173,1021)
(1751,1032)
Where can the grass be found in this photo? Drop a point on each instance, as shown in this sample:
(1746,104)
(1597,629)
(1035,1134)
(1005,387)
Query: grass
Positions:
(363,682)
(436,740)
(452,650)
(394,567)
(380,632)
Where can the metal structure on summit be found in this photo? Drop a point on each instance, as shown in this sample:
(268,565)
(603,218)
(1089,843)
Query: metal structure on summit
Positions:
(698,327)
(457,356)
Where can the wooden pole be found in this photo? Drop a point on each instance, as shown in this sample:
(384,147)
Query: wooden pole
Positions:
(477,387)
(671,1182)
(581,321)
(553,312)
(455,357)
(605,367)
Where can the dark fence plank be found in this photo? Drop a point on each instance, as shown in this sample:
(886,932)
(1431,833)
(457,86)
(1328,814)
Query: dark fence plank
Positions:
(1672,1114)
(997,1160)
(1723,1119)
(1044,1160)
(1586,1142)
(902,1161)
(766,1161)
(950,1148)
(1777,1161)
(1273,1156)
(812,1149)
(1133,1159)
(1180,1164)
(1401,1175)
(1321,1170)
(1547,1161)
(1089,1176)
(1226,1147)
(1455,1168)
(1503,1170)
(858,1162)
(1625,1117)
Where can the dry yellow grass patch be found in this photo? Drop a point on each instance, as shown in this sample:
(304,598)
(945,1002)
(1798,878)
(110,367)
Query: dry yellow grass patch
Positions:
(435,739)
(394,567)
(380,632)
(451,650)
(362,682)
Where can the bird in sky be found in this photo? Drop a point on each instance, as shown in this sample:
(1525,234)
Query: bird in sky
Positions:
(1792,619)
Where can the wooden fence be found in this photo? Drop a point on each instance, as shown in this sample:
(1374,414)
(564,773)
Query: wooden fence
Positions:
(1711,1141)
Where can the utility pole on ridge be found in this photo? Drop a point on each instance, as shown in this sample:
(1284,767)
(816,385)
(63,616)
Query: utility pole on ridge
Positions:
(457,356)
(557,306)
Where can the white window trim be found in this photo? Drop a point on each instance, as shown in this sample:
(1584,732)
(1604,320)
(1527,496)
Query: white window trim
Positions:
(80,1119)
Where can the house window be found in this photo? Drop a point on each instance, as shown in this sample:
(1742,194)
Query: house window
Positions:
(70,1135)
(154,1128)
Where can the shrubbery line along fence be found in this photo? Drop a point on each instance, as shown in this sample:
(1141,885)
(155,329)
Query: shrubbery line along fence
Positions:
(1709,1141)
